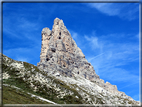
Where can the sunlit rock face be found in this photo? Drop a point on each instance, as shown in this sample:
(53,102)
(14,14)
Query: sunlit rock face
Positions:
(60,56)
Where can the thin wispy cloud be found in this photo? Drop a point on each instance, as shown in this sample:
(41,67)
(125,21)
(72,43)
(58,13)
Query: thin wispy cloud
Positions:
(93,41)
(90,59)
(129,85)
(77,38)
(113,57)
(122,10)
(27,24)
(23,32)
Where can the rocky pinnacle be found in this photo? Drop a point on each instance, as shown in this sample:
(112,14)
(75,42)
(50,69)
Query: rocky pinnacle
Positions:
(61,56)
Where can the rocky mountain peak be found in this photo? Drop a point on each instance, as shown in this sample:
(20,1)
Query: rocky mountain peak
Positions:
(57,21)
(60,56)
(60,50)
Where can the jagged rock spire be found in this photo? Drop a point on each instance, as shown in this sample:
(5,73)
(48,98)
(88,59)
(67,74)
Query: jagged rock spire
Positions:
(60,56)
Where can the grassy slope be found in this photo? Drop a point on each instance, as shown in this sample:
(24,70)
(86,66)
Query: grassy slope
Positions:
(47,93)
(15,96)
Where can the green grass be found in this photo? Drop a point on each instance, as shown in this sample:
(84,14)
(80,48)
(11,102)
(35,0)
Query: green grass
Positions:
(15,96)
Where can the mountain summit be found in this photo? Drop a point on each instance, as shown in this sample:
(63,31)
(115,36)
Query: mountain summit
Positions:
(61,56)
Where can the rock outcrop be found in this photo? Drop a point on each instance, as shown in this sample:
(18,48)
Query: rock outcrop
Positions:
(61,56)
(60,53)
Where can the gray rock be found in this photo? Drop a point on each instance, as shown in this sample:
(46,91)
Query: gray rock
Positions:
(61,56)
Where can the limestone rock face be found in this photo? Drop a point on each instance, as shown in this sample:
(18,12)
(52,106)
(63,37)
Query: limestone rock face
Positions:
(60,53)
(61,56)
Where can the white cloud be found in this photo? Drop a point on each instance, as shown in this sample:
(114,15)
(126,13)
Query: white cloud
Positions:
(93,41)
(122,10)
(106,8)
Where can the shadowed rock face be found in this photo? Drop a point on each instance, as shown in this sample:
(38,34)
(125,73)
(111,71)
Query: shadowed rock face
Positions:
(61,56)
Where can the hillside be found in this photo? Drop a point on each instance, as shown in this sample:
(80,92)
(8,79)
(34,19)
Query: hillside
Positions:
(30,79)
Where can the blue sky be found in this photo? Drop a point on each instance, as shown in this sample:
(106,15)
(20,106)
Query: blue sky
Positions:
(107,34)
